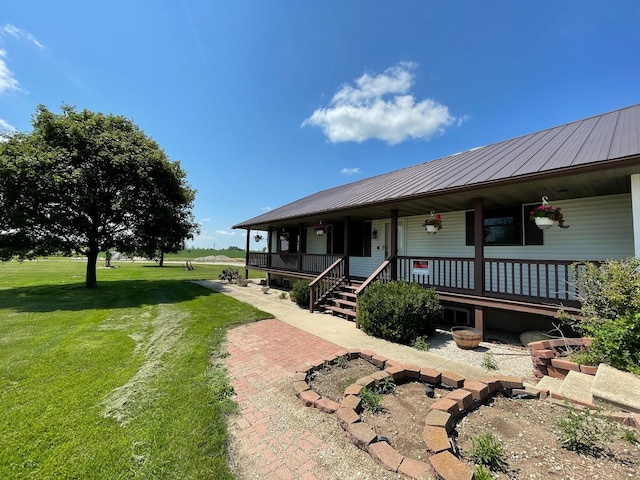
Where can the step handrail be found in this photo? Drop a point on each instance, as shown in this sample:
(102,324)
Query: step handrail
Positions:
(326,282)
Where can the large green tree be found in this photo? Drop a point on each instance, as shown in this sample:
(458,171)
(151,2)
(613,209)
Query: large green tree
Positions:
(85,182)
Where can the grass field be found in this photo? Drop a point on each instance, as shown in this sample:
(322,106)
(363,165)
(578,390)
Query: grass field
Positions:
(116,382)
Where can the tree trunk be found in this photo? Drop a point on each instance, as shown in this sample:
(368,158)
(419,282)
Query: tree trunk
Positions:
(161,261)
(91,280)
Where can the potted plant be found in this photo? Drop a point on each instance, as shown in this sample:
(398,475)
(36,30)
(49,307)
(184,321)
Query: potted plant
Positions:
(320,228)
(433,223)
(546,215)
(284,235)
(257,237)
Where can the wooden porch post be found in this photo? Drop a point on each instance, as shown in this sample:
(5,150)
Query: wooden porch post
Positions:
(394,244)
(478,260)
(246,257)
(269,236)
(347,222)
(299,246)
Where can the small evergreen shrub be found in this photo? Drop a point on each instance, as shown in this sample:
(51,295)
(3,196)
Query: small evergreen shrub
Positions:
(397,311)
(300,293)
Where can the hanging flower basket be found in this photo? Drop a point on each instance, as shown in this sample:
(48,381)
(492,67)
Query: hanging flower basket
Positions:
(320,228)
(546,215)
(433,223)
(257,238)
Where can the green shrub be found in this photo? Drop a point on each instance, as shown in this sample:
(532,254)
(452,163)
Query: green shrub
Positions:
(610,295)
(229,274)
(421,343)
(482,473)
(630,436)
(397,311)
(585,431)
(300,293)
(489,362)
(488,451)
(371,400)
(386,385)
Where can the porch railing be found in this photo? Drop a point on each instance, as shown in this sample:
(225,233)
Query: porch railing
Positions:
(329,280)
(292,262)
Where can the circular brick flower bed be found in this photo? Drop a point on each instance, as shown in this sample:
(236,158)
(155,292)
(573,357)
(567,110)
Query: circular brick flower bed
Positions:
(464,395)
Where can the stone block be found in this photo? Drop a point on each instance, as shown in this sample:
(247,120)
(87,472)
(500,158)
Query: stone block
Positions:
(299,377)
(379,360)
(479,390)
(449,467)
(380,375)
(299,387)
(430,375)
(367,354)
(361,435)
(438,418)
(462,397)
(366,381)
(546,354)
(396,372)
(386,455)
(327,405)
(436,439)
(347,416)
(352,401)
(492,383)
(446,405)
(415,469)
(554,372)
(509,381)
(354,353)
(565,364)
(309,398)
(452,379)
(411,371)
(353,389)
(620,389)
(589,369)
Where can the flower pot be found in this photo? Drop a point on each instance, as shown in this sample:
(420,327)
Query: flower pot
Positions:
(544,222)
(431,229)
(466,338)
(320,232)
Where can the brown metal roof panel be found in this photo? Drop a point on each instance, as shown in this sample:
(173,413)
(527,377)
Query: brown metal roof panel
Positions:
(626,138)
(567,152)
(597,145)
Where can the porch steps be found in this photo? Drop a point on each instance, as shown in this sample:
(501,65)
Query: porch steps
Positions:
(343,302)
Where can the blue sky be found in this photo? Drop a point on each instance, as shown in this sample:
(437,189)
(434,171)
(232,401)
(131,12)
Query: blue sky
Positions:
(265,102)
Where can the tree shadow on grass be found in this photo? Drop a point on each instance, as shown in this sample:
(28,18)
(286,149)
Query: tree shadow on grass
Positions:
(110,295)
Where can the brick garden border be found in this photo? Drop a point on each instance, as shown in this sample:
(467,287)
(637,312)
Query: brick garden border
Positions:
(464,396)
(549,357)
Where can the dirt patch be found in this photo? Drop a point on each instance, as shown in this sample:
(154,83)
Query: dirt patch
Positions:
(330,382)
(527,429)
(530,436)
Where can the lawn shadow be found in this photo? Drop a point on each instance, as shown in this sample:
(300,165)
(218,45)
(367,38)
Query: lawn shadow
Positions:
(109,294)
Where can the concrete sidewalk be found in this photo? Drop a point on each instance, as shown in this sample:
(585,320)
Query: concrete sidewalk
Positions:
(337,330)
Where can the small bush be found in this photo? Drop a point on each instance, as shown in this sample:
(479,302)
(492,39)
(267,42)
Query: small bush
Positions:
(482,473)
(300,293)
(630,436)
(386,385)
(371,400)
(229,274)
(610,295)
(489,362)
(421,344)
(397,311)
(342,361)
(585,431)
(488,451)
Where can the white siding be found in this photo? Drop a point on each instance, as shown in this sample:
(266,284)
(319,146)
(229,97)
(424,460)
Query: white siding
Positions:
(316,243)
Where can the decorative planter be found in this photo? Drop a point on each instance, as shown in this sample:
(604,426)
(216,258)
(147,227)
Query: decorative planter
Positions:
(466,337)
(544,222)
(431,229)
(320,232)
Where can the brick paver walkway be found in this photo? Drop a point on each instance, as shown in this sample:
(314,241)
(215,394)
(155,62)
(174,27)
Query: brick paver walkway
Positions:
(261,356)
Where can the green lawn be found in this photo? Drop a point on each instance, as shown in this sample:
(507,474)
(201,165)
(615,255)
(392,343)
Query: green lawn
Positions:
(115,382)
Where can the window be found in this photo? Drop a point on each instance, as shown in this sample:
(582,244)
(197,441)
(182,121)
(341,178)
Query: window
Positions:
(360,239)
(505,226)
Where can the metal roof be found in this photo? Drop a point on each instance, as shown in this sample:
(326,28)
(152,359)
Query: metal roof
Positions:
(596,142)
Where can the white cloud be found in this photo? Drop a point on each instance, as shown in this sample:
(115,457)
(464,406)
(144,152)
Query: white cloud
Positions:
(21,34)
(5,128)
(205,219)
(350,171)
(381,106)
(8,82)
(225,232)
(267,209)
